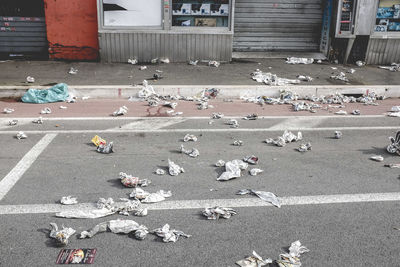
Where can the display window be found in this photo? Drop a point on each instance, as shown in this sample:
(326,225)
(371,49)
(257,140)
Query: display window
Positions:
(200,13)
(388,16)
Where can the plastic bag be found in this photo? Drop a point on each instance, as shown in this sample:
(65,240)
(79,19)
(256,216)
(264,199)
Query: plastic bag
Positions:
(58,92)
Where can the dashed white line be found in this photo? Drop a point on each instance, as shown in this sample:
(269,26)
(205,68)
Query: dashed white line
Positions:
(7,183)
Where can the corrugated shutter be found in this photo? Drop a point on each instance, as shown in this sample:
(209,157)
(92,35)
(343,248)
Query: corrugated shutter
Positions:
(271,25)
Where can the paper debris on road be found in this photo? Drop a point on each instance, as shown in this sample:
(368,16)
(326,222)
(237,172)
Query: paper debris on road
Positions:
(146,91)
(214,63)
(341,77)
(233,123)
(106,148)
(266,196)
(21,135)
(271,79)
(360,63)
(164,60)
(97,140)
(351,71)
(395,109)
(30,79)
(356,112)
(194,153)
(341,112)
(305,147)
(121,111)
(141,212)
(255,171)
(393,166)
(38,120)
(238,143)
(132,61)
(8,110)
(45,111)
(233,170)
(160,171)
(61,236)
(394,145)
(68,200)
(293,257)
(393,67)
(287,137)
(63,107)
(131,181)
(378,158)
(118,227)
(216,212)
(174,169)
(254,261)
(169,235)
(73,71)
(12,122)
(251,159)
(218,115)
(297,60)
(193,62)
(305,78)
(143,68)
(251,117)
(172,105)
(338,134)
(220,163)
(394,114)
(146,197)
(190,137)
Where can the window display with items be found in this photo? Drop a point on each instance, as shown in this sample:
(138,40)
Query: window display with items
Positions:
(388,16)
(200,13)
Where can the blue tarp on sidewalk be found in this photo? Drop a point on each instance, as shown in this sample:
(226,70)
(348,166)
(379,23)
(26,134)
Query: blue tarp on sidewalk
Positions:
(58,92)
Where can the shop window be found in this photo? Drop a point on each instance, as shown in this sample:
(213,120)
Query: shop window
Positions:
(200,13)
(128,13)
(388,16)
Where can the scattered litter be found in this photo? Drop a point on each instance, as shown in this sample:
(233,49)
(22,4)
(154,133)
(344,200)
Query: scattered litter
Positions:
(254,261)
(172,105)
(392,166)
(351,71)
(118,227)
(216,212)
(97,140)
(30,79)
(296,60)
(160,172)
(76,256)
(130,181)
(394,114)
(154,61)
(255,171)
(63,107)
(12,122)
(146,197)
(177,113)
(194,153)
(292,258)
(356,112)
(190,137)
(164,60)
(360,63)
(218,115)
(21,135)
(174,169)
(85,97)
(338,134)
(287,137)
(305,78)
(334,68)
(319,61)
(220,163)
(266,196)
(73,71)
(157,75)
(106,149)
(68,200)
(305,147)
(238,143)
(271,79)
(251,159)
(204,105)
(251,117)
(141,212)
(143,68)
(38,120)
(232,170)
(45,111)
(214,63)
(121,111)
(61,236)
(341,112)
(378,158)
(8,110)
(58,92)
(169,235)
(193,62)
(393,67)
(395,144)
(341,76)
(395,109)
(233,123)
(132,61)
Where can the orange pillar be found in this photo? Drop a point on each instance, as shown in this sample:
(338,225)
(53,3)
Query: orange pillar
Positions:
(72,29)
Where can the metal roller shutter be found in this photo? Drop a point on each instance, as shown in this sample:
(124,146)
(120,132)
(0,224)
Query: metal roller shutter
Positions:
(271,25)
(22,28)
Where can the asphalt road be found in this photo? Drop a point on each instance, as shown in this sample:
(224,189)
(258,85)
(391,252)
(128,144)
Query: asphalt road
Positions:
(356,231)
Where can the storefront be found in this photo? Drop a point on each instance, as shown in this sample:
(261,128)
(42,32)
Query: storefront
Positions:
(176,29)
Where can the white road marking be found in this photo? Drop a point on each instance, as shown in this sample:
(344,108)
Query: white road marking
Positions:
(199,204)
(298,122)
(148,124)
(7,183)
(228,129)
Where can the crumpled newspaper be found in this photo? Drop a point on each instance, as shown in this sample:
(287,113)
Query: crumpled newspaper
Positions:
(73,71)
(8,110)
(38,120)
(356,112)
(21,135)
(164,60)
(30,79)
(131,181)
(220,163)
(194,153)
(146,197)
(266,196)
(394,114)
(394,145)
(214,63)
(338,134)
(251,117)
(146,91)
(293,257)
(360,63)
(351,71)
(204,105)
(297,60)
(305,147)
(341,76)
(141,212)
(393,67)
(218,115)
(255,171)
(233,123)
(304,106)
(341,112)
(174,169)
(45,111)
(143,68)
(160,172)
(251,159)
(190,137)
(106,148)
(216,212)
(305,78)
(238,143)
(378,158)
(233,170)
(132,61)
(68,200)
(118,227)
(287,137)
(61,236)
(172,105)
(121,111)
(63,107)
(254,261)
(12,122)
(271,79)
(169,235)
(395,109)
(193,62)
(394,165)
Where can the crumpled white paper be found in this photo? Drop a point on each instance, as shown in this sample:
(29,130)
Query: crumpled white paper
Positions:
(254,261)
(61,236)
(232,170)
(266,196)
(216,212)
(169,235)
(174,169)
(68,200)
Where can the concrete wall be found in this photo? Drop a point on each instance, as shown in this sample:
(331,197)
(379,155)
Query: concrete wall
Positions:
(72,29)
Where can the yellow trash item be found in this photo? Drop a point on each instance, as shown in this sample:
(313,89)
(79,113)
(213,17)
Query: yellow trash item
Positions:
(97,140)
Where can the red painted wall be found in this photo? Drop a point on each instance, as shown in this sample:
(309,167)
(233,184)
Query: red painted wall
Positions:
(72,29)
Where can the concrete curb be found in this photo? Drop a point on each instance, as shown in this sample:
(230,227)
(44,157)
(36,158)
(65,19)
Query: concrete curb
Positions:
(226,91)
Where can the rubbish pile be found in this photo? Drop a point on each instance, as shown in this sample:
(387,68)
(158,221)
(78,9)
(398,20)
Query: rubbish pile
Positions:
(287,137)
(271,79)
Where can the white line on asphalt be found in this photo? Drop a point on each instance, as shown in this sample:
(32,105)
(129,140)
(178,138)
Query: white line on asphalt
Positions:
(7,183)
(298,122)
(153,124)
(199,204)
(210,130)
